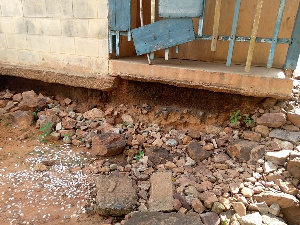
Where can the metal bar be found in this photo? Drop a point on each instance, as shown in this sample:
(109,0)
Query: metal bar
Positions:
(276,32)
(253,34)
(129,35)
(117,43)
(233,31)
(177,49)
(294,49)
(201,20)
(142,24)
(166,54)
(245,39)
(152,55)
(110,40)
(216,25)
(152,11)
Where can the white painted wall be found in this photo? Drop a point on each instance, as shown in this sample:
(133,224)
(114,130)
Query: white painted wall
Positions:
(64,35)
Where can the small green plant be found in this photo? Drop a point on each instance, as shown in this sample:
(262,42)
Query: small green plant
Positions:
(247,121)
(124,123)
(46,129)
(3,119)
(139,156)
(225,222)
(235,117)
(35,112)
(67,136)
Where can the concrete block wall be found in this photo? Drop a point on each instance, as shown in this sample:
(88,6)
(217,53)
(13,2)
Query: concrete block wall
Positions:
(64,35)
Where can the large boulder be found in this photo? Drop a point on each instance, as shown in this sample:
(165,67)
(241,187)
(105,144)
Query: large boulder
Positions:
(197,153)
(285,135)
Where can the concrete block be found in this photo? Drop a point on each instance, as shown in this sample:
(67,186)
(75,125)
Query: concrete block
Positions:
(85,9)
(51,27)
(99,66)
(59,9)
(77,64)
(103,9)
(98,28)
(20,25)
(52,61)
(38,43)
(11,8)
(161,192)
(7,25)
(31,26)
(30,58)
(66,8)
(3,41)
(87,46)
(75,28)
(62,45)
(34,8)
(16,41)
(9,56)
(103,48)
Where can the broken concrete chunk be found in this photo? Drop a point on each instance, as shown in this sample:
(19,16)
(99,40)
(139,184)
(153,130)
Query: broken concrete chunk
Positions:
(116,195)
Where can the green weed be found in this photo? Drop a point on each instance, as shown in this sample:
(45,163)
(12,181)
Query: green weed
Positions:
(46,129)
(235,117)
(139,156)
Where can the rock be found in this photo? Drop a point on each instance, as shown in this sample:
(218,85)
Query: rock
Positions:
(116,195)
(208,198)
(269,167)
(263,130)
(274,209)
(190,162)
(251,219)
(176,204)
(191,190)
(94,114)
(210,218)
(262,208)
(293,167)
(282,199)
(218,207)
(22,119)
(39,167)
(198,206)
(247,192)
(239,208)
(226,216)
(272,119)
(197,153)
(246,150)
(32,102)
(294,117)
(285,135)
(272,220)
(108,144)
(161,192)
(158,142)
(221,157)
(252,136)
(182,201)
(159,218)
(292,215)
(289,127)
(278,157)
(127,119)
(287,187)
(269,103)
(171,142)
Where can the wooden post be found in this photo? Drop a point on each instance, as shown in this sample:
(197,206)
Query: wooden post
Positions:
(216,25)
(253,35)
(142,24)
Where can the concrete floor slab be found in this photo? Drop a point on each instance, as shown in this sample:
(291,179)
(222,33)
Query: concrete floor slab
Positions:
(259,82)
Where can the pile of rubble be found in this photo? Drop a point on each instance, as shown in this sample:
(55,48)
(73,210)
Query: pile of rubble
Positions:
(246,171)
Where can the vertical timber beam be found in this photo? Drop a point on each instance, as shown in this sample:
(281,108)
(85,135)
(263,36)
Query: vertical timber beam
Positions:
(233,31)
(253,35)
(216,25)
(294,49)
(276,32)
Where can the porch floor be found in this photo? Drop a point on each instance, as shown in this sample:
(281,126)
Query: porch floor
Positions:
(259,82)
